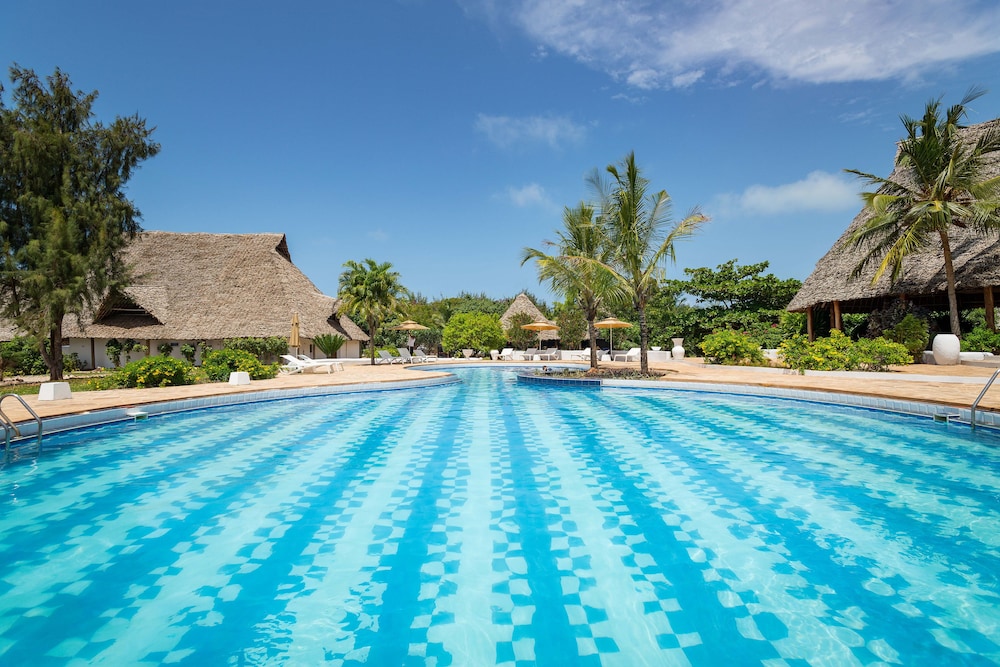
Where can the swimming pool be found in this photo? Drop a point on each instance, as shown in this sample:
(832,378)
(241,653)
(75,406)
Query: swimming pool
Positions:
(492,523)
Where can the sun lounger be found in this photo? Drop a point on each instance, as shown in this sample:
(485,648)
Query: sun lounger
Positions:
(549,354)
(420,356)
(385,358)
(631,355)
(296,365)
(507,354)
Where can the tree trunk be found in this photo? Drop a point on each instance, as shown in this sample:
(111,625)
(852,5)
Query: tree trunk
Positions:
(643,340)
(53,356)
(592,337)
(949,272)
(371,341)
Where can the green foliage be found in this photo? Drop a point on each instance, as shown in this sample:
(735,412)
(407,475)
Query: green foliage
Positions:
(520,338)
(912,333)
(114,350)
(188,351)
(981,339)
(165,349)
(572,326)
(730,296)
(732,348)
(131,346)
(219,364)
(478,331)
(840,353)
(62,197)
(265,349)
(21,356)
(149,372)
(329,344)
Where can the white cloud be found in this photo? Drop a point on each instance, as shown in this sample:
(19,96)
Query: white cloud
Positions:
(675,44)
(505,131)
(378,235)
(532,194)
(819,191)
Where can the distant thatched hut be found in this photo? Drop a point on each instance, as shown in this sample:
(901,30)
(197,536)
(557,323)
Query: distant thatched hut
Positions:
(976,259)
(209,287)
(522,304)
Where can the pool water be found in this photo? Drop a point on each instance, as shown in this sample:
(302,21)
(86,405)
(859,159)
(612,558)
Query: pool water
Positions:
(492,523)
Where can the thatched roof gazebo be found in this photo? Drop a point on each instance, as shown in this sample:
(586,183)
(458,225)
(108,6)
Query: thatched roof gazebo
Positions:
(976,259)
(522,304)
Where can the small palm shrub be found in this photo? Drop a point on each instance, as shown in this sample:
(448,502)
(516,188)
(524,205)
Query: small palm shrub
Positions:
(329,344)
(732,348)
(148,372)
(219,364)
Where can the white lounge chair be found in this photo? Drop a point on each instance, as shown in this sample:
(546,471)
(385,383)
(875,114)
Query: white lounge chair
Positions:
(295,365)
(333,363)
(549,354)
(405,355)
(385,358)
(631,355)
(422,357)
(507,354)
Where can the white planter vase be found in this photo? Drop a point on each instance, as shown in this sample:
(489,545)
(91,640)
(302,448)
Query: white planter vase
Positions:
(678,351)
(947,349)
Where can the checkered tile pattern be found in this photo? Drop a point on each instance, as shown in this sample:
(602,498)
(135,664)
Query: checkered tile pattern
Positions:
(490,523)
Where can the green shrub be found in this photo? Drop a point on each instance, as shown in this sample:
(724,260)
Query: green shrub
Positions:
(878,354)
(732,348)
(21,356)
(478,331)
(218,365)
(981,339)
(148,372)
(329,344)
(114,349)
(262,348)
(911,332)
(165,349)
(188,351)
(840,353)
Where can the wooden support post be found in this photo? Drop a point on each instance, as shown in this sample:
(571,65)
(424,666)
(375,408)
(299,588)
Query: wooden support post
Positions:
(809,324)
(988,304)
(93,355)
(838,323)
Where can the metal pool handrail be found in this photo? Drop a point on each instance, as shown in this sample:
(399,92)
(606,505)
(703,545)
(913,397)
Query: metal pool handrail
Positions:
(975,403)
(9,425)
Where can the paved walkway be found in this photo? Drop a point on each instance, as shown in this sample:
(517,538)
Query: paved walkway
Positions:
(948,385)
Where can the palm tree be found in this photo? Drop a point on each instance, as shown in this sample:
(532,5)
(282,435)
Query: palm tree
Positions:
(641,235)
(940,184)
(371,292)
(577,268)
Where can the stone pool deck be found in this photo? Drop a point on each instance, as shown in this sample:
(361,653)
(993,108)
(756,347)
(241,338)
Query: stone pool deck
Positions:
(955,386)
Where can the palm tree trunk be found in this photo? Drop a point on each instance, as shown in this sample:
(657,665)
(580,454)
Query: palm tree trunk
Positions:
(371,340)
(949,272)
(592,337)
(643,340)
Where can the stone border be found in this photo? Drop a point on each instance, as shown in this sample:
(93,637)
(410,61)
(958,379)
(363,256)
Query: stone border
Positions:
(85,419)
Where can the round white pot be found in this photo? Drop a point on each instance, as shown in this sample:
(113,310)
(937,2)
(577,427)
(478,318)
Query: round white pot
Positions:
(946,348)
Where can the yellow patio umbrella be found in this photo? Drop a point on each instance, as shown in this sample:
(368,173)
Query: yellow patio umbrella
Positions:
(540,325)
(293,340)
(409,325)
(612,323)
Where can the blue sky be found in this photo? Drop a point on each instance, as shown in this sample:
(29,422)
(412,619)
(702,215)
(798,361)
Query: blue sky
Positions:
(445,136)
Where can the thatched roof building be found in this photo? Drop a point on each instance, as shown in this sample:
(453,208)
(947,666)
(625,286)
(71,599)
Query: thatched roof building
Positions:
(976,260)
(207,287)
(522,304)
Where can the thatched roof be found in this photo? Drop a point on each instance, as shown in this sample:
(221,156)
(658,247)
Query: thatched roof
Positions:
(522,304)
(212,286)
(976,259)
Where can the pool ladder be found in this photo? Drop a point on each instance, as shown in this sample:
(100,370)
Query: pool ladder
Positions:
(10,427)
(975,403)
